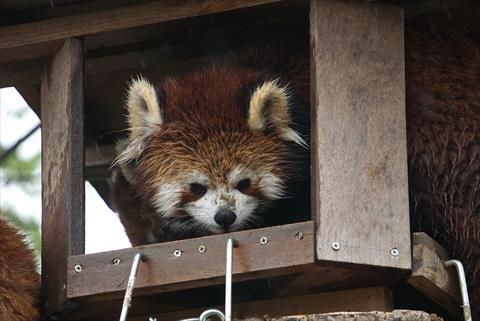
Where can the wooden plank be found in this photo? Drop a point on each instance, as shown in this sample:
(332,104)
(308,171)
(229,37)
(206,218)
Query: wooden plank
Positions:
(51,30)
(32,51)
(359,171)
(358,300)
(430,276)
(329,277)
(100,155)
(284,253)
(63,217)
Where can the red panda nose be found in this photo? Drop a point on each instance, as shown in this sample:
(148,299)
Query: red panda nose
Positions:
(224,217)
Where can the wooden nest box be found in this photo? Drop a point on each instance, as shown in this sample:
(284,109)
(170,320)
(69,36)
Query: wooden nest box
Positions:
(72,67)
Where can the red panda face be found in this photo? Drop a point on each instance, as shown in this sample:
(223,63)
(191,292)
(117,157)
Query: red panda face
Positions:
(209,152)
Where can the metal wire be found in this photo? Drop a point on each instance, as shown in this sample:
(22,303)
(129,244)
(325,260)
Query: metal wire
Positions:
(211,312)
(462,281)
(228,281)
(127,300)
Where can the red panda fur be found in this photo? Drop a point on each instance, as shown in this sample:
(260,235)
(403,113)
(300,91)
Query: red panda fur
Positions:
(443,125)
(19,280)
(443,129)
(205,125)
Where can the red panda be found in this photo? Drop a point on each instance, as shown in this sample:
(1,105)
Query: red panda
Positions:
(215,150)
(19,280)
(222,147)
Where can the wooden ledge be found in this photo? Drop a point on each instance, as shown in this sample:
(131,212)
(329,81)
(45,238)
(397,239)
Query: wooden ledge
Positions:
(430,276)
(284,253)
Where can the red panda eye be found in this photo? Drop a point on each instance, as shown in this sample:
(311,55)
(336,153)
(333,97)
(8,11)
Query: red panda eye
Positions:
(198,189)
(243,184)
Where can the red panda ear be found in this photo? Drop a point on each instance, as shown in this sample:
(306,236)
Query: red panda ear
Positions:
(269,108)
(144,118)
(144,113)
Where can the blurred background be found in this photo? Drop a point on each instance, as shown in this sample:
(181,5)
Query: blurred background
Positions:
(20,181)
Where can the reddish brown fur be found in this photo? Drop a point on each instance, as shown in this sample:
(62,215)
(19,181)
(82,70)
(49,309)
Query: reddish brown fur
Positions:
(443,120)
(443,99)
(205,128)
(19,280)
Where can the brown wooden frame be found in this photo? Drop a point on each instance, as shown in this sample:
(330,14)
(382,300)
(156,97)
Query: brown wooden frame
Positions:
(358,160)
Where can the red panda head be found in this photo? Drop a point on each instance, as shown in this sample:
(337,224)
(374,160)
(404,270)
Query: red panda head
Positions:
(212,149)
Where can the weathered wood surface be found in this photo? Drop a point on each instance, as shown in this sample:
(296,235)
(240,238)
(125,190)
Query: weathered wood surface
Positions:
(367,299)
(284,253)
(359,157)
(396,315)
(44,34)
(63,219)
(431,277)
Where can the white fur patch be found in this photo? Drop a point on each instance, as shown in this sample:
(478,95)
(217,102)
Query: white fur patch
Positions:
(204,209)
(271,185)
(167,199)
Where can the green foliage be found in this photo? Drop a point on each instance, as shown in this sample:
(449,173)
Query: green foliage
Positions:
(15,170)
(19,171)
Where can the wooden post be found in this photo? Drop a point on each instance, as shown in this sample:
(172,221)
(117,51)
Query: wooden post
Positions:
(63,195)
(359,157)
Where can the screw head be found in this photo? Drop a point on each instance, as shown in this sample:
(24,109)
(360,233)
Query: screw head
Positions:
(394,252)
(116,261)
(78,268)
(177,253)
(299,235)
(263,240)
(335,246)
(202,249)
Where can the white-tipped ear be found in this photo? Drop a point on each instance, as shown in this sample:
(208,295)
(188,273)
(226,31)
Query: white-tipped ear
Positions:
(144,118)
(269,107)
(144,114)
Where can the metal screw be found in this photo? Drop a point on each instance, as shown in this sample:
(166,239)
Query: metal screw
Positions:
(177,253)
(299,235)
(394,252)
(116,261)
(78,268)
(336,246)
(152,319)
(202,249)
(263,240)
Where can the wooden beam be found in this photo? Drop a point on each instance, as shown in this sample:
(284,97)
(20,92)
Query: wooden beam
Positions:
(358,300)
(63,212)
(100,155)
(284,253)
(430,276)
(47,32)
(359,156)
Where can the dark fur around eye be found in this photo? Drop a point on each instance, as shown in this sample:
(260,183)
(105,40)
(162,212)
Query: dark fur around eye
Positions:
(243,185)
(198,189)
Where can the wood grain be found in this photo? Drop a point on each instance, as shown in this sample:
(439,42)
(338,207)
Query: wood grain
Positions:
(358,300)
(359,170)
(162,271)
(49,31)
(431,277)
(63,218)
